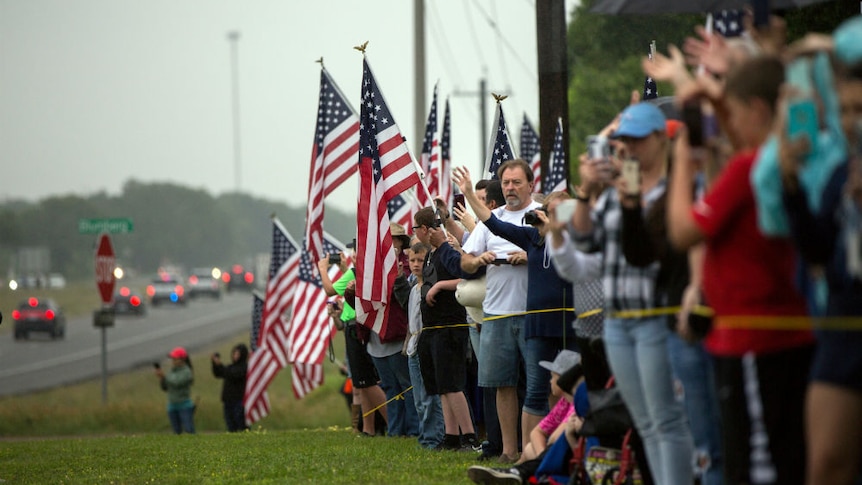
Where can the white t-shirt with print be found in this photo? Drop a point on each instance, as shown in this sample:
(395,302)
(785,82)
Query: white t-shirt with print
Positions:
(506,285)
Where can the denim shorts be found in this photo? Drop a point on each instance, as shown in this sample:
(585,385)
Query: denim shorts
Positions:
(539,378)
(502,349)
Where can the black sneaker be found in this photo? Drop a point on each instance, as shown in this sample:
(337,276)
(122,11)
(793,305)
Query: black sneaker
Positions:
(489,476)
(486,452)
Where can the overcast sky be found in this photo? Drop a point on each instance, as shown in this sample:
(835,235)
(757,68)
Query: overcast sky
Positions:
(94,93)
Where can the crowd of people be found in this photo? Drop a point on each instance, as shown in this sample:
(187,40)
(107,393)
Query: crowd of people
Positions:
(708,268)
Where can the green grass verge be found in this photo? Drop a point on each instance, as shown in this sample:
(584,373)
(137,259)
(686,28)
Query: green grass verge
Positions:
(331,456)
(135,404)
(67,436)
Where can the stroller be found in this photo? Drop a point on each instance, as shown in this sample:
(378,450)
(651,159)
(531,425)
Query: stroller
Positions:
(601,465)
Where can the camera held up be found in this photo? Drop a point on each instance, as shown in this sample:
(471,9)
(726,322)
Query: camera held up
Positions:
(532,218)
(334,258)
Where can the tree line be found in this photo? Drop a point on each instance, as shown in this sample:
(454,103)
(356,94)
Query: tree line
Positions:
(173,225)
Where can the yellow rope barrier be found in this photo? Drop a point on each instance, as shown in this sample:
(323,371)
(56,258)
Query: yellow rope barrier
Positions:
(528,312)
(398,396)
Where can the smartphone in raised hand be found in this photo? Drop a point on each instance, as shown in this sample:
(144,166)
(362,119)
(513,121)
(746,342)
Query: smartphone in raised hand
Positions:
(564,210)
(457,201)
(802,120)
(631,173)
(692,117)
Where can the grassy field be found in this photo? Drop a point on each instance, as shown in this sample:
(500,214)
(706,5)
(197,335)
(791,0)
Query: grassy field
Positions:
(137,405)
(331,456)
(66,435)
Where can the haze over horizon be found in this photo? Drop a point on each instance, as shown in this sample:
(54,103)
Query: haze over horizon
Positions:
(94,93)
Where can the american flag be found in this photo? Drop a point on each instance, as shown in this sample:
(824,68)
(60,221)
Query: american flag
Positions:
(445,184)
(650,87)
(531,152)
(271,355)
(429,161)
(399,211)
(310,328)
(728,23)
(256,314)
(333,157)
(556,179)
(385,170)
(501,146)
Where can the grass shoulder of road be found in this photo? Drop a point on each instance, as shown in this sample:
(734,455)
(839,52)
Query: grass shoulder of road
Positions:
(136,404)
(334,456)
(68,435)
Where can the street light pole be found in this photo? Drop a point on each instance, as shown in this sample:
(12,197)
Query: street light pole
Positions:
(233,38)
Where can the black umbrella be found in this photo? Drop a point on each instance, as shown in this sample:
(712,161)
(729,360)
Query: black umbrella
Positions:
(687,6)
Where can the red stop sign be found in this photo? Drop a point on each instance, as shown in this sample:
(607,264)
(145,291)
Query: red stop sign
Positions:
(105,263)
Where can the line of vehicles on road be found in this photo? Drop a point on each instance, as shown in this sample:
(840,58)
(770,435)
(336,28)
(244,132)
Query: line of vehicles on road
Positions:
(168,288)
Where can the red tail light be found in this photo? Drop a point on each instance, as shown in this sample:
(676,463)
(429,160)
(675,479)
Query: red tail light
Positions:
(249,278)
(225,277)
(193,280)
(179,290)
(16,314)
(135,301)
(49,314)
(33,301)
(151,290)
(124,291)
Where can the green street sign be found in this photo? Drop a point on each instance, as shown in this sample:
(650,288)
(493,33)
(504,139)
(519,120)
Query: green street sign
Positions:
(112,226)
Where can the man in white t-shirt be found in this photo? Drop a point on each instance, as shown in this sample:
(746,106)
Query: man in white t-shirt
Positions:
(502,339)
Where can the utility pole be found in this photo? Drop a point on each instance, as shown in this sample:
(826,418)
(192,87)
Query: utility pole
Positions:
(419,79)
(553,76)
(233,38)
(482,94)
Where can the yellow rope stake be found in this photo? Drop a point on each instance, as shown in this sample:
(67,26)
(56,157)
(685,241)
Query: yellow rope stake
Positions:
(399,396)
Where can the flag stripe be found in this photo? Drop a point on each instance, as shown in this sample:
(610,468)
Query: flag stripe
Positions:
(336,144)
(271,354)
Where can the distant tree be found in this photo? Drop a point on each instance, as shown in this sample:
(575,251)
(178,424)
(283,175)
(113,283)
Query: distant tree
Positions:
(173,224)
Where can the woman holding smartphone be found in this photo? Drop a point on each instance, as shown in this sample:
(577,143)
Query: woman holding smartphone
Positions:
(623,226)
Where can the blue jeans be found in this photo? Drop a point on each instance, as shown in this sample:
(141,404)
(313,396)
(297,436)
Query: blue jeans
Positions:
(693,367)
(428,408)
(638,355)
(182,419)
(539,378)
(395,379)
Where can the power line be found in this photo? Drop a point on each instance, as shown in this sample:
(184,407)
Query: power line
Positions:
(504,40)
(438,33)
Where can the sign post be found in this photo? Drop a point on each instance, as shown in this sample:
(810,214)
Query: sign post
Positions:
(104,317)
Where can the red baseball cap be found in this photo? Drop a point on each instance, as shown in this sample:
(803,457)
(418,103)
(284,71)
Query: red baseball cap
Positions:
(178,353)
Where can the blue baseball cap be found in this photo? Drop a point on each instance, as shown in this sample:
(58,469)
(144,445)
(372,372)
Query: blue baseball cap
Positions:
(640,120)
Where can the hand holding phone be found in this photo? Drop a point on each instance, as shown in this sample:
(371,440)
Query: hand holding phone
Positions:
(457,201)
(802,120)
(564,210)
(631,174)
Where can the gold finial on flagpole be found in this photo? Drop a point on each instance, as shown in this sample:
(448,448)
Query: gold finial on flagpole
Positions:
(361,48)
(499,97)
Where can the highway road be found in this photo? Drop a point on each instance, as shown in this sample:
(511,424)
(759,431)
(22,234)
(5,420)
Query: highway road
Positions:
(41,363)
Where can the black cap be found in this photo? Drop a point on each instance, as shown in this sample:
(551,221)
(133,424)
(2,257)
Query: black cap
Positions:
(569,378)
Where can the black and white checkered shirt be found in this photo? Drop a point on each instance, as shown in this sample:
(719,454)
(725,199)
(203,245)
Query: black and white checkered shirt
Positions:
(626,287)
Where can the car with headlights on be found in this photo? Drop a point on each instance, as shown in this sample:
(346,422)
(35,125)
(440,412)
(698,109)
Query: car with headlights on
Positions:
(167,289)
(205,282)
(38,315)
